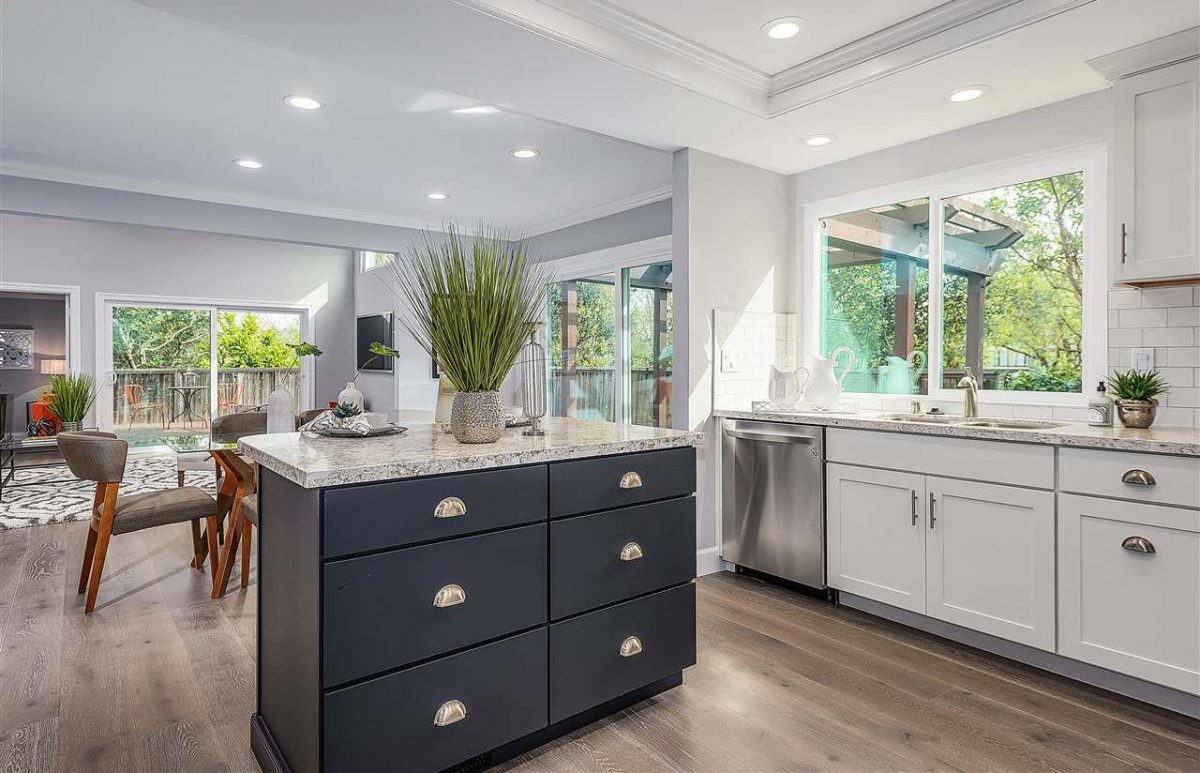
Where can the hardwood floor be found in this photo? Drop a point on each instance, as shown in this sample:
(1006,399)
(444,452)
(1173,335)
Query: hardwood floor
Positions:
(161,678)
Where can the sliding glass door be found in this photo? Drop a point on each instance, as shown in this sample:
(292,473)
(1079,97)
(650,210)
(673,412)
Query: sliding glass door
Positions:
(172,368)
(609,345)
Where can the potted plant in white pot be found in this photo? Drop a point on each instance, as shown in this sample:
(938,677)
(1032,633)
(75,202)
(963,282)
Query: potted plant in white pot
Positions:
(472,300)
(1136,394)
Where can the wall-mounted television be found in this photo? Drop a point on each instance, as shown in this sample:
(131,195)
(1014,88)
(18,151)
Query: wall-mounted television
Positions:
(371,328)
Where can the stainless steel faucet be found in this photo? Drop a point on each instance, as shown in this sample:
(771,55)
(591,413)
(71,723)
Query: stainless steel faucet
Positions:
(970,389)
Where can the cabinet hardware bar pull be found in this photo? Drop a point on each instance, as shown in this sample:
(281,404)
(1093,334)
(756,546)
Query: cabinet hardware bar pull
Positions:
(631,480)
(450,596)
(914,508)
(450,507)
(1138,478)
(631,552)
(1124,235)
(1138,545)
(631,646)
(932,517)
(449,713)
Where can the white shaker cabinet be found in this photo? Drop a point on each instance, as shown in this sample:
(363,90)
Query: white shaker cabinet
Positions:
(876,534)
(1156,174)
(1129,588)
(990,559)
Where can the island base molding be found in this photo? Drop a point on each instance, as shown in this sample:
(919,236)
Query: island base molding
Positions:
(1132,687)
(271,760)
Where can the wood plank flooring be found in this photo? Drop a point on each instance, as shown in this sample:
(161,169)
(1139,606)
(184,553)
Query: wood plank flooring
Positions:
(161,678)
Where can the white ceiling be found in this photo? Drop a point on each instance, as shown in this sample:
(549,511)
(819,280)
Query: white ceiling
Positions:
(735,28)
(113,93)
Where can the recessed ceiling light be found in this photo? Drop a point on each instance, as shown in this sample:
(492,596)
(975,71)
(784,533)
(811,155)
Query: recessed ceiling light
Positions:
(476,110)
(782,29)
(969,93)
(304,103)
(816,140)
(248,163)
(525,152)
(437,196)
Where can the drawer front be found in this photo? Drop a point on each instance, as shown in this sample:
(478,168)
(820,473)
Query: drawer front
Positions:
(1131,611)
(588,485)
(587,666)
(1014,464)
(383,611)
(384,515)
(606,557)
(391,722)
(1166,480)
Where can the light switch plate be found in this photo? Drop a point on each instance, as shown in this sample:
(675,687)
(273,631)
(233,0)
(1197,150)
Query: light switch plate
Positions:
(728,363)
(1143,359)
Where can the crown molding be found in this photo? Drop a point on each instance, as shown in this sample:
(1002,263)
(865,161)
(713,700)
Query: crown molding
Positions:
(604,210)
(1169,49)
(600,28)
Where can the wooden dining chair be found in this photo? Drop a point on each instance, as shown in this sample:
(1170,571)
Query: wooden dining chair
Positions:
(133,404)
(100,457)
(243,518)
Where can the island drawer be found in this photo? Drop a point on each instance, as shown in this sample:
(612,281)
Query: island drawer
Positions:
(398,721)
(606,557)
(359,519)
(605,654)
(1165,480)
(606,482)
(388,609)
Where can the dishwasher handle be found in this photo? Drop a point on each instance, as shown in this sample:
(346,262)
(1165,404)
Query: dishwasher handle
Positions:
(766,437)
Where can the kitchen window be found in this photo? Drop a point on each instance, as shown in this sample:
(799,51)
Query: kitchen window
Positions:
(370,260)
(1001,270)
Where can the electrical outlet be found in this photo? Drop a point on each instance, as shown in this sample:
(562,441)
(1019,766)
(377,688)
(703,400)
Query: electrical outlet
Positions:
(1143,359)
(728,363)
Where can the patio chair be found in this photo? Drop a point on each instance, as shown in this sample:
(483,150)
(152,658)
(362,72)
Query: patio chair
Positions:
(229,397)
(100,457)
(134,405)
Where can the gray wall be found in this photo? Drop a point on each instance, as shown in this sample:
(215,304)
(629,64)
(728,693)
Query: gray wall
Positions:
(45,315)
(111,258)
(632,225)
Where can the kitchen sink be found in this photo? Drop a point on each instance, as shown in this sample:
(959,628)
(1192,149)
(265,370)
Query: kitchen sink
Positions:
(1011,423)
(923,418)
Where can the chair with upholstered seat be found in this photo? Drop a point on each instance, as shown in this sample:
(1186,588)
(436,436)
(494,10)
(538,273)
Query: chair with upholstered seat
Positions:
(100,457)
(304,417)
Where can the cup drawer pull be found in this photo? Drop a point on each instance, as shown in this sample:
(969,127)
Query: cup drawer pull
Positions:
(449,713)
(450,507)
(1138,478)
(1138,545)
(631,480)
(631,646)
(450,596)
(631,552)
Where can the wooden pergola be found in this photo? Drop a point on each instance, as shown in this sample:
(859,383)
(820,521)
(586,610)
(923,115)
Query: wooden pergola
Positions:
(971,247)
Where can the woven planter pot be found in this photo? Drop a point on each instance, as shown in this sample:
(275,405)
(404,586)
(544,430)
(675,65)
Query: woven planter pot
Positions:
(476,417)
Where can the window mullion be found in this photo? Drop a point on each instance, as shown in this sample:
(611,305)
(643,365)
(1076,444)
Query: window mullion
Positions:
(936,230)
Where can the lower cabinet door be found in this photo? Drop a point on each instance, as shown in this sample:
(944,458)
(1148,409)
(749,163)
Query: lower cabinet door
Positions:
(876,534)
(441,713)
(1129,588)
(990,559)
(605,654)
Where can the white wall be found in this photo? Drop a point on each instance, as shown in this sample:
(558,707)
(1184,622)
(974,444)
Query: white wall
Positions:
(110,258)
(632,225)
(734,248)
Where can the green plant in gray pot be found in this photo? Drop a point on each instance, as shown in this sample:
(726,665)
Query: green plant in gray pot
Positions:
(471,300)
(1136,392)
(72,398)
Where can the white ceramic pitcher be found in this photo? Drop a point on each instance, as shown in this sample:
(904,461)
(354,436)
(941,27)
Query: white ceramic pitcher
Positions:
(786,385)
(825,387)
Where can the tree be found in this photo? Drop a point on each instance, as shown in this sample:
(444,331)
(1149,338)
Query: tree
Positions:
(243,342)
(147,337)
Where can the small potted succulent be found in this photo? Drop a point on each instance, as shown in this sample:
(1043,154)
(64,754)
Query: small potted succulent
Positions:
(343,411)
(1136,392)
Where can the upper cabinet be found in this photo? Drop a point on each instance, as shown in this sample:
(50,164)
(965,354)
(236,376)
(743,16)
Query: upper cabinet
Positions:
(1156,160)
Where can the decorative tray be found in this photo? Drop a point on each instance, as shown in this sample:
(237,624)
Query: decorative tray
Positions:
(387,429)
(770,406)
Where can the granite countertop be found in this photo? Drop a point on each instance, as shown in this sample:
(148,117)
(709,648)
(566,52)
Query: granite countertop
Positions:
(1180,441)
(312,461)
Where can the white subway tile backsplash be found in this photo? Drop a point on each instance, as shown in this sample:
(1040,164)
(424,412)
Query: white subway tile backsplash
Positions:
(1120,337)
(1178,377)
(1124,299)
(1183,397)
(1183,357)
(1143,318)
(1163,297)
(1175,417)
(1186,316)
(1168,336)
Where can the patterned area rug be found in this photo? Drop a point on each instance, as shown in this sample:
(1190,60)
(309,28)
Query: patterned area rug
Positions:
(54,497)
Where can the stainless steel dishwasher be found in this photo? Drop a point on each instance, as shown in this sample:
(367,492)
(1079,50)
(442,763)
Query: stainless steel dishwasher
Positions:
(773,499)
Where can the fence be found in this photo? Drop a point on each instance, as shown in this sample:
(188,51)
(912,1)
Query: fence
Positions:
(591,394)
(238,389)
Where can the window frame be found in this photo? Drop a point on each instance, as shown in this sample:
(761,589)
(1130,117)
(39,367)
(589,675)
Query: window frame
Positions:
(1090,158)
(361,259)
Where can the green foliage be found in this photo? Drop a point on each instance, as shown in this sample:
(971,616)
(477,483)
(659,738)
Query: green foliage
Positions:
(305,349)
(243,342)
(1038,379)
(472,301)
(73,394)
(147,337)
(380,349)
(345,410)
(1137,385)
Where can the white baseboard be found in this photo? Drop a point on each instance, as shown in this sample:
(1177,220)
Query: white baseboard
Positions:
(708,561)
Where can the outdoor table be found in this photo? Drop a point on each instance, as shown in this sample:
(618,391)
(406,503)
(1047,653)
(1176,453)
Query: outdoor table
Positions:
(187,411)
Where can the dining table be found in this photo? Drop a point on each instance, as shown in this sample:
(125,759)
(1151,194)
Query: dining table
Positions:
(237,480)
(187,410)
